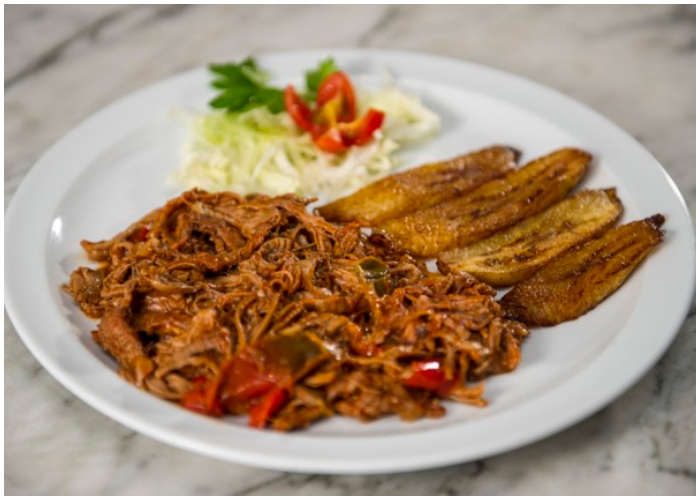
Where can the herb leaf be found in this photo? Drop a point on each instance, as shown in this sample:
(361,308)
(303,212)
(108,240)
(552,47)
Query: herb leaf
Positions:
(243,87)
(316,76)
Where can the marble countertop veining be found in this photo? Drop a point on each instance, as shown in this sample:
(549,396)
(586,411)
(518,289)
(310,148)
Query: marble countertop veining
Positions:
(635,64)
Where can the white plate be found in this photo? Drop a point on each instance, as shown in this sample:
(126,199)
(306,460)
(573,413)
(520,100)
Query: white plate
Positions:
(111,169)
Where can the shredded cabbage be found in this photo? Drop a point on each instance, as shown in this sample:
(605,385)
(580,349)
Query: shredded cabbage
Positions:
(258,151)
(406,119)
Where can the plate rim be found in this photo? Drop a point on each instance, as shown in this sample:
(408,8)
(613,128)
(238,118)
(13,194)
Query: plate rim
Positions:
(264,460)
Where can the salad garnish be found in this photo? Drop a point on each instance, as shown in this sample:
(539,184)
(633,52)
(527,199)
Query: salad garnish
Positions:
(328,138)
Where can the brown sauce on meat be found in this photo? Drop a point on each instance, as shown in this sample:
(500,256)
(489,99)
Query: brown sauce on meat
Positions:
(232,305)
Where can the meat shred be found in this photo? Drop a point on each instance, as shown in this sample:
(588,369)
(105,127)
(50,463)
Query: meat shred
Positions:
(341,321)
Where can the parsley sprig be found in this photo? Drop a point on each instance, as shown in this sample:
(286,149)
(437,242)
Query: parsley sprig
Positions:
(243,86)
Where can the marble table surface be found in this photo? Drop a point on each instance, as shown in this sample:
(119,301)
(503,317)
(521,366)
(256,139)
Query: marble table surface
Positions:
(635,64)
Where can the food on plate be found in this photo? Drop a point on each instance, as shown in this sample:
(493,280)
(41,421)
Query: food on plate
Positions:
(400,194)
(513,255)
(493,206)
(406,119)
(333,123)
(580,279)
(329,139)
(254,306)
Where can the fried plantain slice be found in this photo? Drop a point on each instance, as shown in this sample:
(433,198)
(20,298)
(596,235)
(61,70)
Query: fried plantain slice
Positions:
(422,187)
(494,206)
(513,255)
(582,278)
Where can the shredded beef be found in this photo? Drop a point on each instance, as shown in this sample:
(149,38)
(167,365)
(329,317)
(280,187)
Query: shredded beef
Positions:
(233,304)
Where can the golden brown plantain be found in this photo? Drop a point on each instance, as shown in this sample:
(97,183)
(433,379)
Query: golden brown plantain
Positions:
(494,206)
(422,187)
(582,278)
(513,255)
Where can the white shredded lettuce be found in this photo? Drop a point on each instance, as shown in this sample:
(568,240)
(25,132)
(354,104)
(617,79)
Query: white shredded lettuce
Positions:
(258,151)
(406,119)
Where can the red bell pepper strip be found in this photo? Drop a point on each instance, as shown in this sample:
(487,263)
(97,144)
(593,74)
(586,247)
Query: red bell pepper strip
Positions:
(429,375)
(255,381)
(241,386)
(261,412)
(243,380)
(203,398)
(141,233)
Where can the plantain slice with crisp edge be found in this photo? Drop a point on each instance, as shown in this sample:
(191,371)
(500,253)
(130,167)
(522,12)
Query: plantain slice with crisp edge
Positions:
(422,187)
(513,255)
(579,280)
(494,206)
